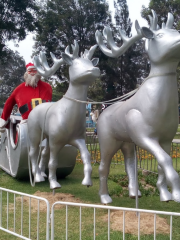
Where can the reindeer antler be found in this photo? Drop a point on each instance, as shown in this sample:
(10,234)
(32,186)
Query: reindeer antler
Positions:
(75,49)
(116,51)
(89,53)
(42,66)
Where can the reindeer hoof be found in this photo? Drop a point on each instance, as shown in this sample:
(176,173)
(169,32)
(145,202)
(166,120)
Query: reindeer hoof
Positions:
(132,193)
(43,174)
(176,196)
(54,184)
(133,196)
(87,182)
(105,199)
(165,196)
(39,178)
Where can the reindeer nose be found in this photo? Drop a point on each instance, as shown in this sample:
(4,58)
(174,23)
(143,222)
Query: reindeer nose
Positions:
(96,72)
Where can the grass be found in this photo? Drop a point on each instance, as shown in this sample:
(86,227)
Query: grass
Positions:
(72,184)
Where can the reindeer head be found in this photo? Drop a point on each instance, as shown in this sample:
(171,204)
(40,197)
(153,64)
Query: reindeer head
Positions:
(164,44)
(82,69)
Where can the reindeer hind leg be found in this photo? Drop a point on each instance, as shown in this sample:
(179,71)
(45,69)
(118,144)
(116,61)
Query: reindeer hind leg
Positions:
(44,158)
(34,138)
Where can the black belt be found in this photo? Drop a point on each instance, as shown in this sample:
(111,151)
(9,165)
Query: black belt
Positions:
(24,108)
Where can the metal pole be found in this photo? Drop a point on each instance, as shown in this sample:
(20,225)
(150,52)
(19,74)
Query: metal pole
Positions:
(136,179)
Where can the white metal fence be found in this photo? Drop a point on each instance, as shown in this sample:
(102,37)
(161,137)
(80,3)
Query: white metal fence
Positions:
(71,220)
(16,214)
(109,210)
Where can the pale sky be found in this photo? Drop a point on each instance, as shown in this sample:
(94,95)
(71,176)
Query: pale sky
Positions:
(25,46)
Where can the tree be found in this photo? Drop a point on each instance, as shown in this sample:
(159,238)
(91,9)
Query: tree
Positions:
(58,90)
(11,74)
(122,73)
(16,19)
(96,91)
(62,22)
(162,8)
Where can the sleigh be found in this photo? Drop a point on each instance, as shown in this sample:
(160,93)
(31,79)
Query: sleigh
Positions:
(14,153)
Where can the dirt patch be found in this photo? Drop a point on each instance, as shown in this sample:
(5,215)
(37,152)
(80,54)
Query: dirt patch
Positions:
(131,223)
(63,197)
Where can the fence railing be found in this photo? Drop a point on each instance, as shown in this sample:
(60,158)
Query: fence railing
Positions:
(145,159)
(83,231)
(18,217)
(69,220)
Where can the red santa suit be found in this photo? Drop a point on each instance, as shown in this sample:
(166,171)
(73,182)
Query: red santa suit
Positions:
(23,95)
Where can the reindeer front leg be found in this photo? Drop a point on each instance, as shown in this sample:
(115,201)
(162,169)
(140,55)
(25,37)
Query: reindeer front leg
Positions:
(86,158)
(165,195)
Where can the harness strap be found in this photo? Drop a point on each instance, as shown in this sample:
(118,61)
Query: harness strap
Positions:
(125,96)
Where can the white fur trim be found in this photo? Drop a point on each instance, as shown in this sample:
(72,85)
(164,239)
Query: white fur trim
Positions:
(3,123)
(23,121)
(30,67)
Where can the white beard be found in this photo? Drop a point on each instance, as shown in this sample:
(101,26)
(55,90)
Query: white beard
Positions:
(31,80)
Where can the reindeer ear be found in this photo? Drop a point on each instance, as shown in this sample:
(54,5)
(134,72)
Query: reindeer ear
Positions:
(95,61)
(67,59)
(147,33)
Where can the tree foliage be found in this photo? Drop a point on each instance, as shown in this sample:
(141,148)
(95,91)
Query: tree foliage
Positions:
(11,74)
(162,8)
(62,22)
(17,17)
(122,73)
(58,90)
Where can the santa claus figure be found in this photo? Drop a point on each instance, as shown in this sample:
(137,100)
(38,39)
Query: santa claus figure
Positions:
(27,95)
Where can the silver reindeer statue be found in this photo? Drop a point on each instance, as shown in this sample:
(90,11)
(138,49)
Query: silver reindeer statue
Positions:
(63,122)
(149,119)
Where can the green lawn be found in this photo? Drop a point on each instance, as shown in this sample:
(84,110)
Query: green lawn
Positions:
(72,185)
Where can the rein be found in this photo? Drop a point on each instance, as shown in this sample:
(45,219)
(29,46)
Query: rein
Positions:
(123,97)
(158,75)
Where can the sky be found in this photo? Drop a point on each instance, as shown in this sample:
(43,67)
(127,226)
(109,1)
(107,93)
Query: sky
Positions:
(25,46)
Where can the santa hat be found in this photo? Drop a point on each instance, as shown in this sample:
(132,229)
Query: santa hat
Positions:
(29,66)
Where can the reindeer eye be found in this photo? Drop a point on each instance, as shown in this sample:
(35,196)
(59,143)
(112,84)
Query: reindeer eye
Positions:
(160,35)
